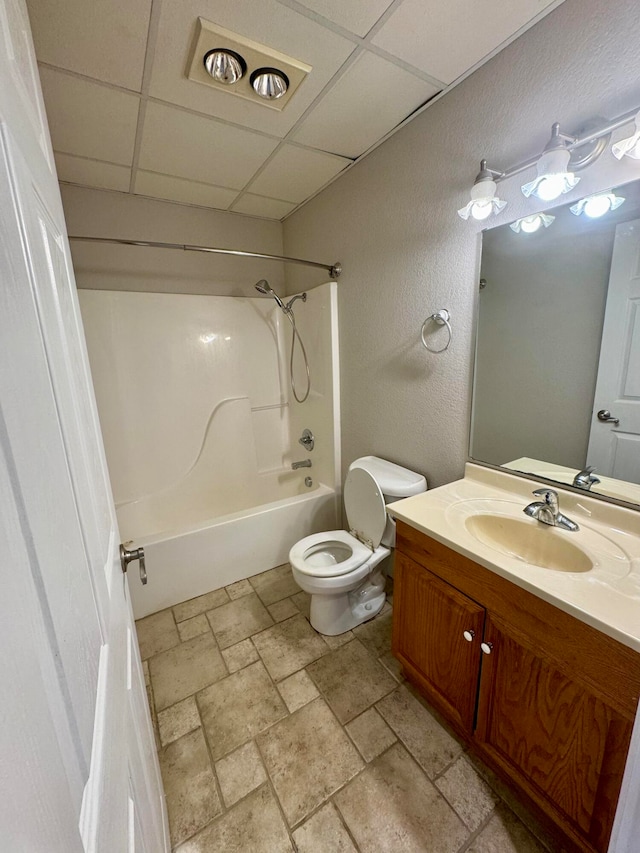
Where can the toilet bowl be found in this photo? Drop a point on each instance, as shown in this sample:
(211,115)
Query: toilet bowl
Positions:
(340,569)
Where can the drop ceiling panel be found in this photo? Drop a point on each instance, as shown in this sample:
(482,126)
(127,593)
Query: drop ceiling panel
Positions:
(368,101)
(257,205)
(358,16)
(178,189)
(268,23)
(295,173)
(175,142)
(88,119)
(446,39)
(92,173)
(105,40)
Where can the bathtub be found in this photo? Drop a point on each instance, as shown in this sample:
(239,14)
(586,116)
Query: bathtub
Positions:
(196,554)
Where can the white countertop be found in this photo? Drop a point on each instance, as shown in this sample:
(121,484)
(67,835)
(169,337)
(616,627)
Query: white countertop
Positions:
(607,597)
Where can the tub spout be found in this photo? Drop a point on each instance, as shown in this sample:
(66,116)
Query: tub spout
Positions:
(306,463)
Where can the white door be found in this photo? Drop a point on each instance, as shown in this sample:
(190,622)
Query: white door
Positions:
(614,449)
(78,769)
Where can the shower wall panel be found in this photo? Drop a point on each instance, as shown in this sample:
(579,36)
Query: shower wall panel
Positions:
(190,391)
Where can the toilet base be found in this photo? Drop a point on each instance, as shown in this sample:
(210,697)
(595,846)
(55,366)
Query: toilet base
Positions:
(337,614)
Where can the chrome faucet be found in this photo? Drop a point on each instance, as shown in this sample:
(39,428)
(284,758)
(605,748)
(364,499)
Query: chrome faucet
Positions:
(584,479)
(548,512)
(306,463)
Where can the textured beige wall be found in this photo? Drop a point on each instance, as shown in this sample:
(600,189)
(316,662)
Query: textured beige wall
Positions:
(392,222)
(100,213)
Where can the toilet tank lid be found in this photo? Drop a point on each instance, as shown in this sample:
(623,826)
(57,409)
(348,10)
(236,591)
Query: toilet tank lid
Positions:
(393,480)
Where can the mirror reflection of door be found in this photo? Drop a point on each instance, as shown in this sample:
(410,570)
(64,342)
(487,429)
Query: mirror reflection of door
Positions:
(614,448)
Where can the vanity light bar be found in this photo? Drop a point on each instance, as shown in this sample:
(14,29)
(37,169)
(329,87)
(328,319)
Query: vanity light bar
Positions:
(562,142)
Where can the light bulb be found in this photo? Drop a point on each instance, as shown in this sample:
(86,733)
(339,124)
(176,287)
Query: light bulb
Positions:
(550,187)
(225,66)
(482,209)
(530,224)
(598,205)
(269,83)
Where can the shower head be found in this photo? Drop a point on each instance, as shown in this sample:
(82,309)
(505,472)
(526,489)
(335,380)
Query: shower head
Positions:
(264,287)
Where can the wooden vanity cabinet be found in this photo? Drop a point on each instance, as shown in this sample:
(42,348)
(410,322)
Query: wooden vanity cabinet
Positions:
(550,707)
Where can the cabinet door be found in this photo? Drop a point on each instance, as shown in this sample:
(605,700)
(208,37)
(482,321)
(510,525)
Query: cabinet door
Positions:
(430,621)
(564,745)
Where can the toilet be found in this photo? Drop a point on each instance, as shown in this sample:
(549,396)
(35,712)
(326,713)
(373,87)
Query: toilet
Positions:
(340,569)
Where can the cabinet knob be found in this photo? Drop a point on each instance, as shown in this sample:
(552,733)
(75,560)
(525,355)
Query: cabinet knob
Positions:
(486,648)
(469,635)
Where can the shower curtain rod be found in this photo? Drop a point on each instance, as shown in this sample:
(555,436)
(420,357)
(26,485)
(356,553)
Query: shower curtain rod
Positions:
(334,269)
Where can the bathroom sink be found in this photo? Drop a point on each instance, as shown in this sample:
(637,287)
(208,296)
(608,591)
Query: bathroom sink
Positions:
(532,542)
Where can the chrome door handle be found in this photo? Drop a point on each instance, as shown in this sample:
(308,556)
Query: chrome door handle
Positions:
(604,415)
(127,557)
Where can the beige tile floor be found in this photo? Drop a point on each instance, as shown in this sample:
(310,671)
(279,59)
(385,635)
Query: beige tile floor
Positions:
(274,738)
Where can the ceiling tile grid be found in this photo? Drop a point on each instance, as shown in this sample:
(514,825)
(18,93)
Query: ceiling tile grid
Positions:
(125,117)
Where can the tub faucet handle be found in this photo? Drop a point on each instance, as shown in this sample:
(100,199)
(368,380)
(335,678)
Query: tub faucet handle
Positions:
(307,439)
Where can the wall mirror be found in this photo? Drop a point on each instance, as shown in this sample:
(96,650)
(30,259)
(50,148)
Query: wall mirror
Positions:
(557,367)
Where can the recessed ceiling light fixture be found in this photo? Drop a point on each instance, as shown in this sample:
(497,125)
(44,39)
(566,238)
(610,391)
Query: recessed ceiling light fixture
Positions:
(225,66)
(531,224)
(554,177)
(595,206)
(236,65)
(269,83)
(484,200)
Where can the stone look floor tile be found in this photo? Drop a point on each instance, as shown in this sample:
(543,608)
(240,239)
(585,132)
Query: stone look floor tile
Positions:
(238,620)
(192,798)
(297,690)
(156,633)
(190,628)
(241,655)
(468,794)
(392,806)
(185,669)
(237,708)
(370,734)
(392,665)
(338,640)
(289,646)
(308,757)
(429,743)
(241,772)
(350,680)
(323,832)
(375,636)
(177,720)
(504,833)
(302,601)
(253,826)
(275,584)
(282,610)
(195,606)
(238,589)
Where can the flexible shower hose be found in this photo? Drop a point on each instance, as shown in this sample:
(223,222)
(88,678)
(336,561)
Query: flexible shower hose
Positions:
(296,334)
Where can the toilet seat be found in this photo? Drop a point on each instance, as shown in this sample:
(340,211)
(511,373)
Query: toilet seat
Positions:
(319,555)
(336,552)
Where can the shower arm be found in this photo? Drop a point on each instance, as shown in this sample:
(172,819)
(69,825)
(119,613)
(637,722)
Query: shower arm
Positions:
(302,296)
(334,270)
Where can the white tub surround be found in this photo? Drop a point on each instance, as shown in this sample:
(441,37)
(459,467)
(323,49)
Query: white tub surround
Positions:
(607,596)
(201,430)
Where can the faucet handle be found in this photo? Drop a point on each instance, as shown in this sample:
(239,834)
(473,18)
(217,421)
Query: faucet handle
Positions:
(550,498)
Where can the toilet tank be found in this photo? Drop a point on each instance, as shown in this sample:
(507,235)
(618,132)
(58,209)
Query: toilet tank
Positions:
(395,483)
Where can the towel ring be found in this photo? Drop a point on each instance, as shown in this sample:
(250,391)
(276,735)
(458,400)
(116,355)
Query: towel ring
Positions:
(442,318)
